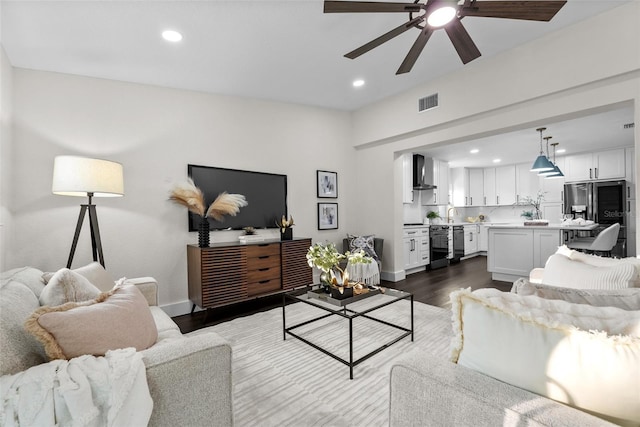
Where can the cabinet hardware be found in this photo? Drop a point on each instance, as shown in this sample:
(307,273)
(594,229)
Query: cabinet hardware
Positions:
(263,269)
(596,173)
(435,196)
(465,200)
(264,281)
(628,191)
(628,205)
(497,200)
(263,257)
(471,200)
(471,236)
(590,175)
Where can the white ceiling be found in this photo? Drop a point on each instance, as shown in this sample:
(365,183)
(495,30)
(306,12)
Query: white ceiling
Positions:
(286,50)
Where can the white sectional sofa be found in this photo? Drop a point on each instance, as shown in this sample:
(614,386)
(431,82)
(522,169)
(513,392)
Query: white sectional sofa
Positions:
(189,376)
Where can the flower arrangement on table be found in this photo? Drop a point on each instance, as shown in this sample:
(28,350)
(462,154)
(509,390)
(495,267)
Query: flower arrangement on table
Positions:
(327,258)
(535,202)
(190,196)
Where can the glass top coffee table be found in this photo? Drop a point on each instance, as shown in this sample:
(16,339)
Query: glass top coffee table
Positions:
(358,306)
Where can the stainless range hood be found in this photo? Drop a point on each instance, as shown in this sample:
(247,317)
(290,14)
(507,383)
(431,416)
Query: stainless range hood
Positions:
(423,173)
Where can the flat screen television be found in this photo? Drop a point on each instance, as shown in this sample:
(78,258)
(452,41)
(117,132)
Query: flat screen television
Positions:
(266,194)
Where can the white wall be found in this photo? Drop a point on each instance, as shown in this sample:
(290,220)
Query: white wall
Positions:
(6,109)
(573,72)
(155,132)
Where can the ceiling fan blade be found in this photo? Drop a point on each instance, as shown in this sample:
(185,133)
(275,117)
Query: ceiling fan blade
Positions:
(369,6)
(466,48)
(415,51)
(541,10)
(383,38)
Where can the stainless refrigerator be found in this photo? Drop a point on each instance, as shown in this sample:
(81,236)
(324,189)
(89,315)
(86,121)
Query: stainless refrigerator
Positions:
(602,202)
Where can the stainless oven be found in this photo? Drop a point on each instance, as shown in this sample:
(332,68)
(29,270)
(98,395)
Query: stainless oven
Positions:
(438,246)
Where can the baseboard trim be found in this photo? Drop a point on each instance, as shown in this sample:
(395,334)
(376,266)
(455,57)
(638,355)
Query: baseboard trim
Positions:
(393,276)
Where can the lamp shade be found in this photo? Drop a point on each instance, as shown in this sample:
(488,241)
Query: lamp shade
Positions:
(542,163)
(79,176)
(556,173)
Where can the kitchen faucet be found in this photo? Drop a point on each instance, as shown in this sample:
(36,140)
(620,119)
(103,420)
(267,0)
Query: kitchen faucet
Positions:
(449,218)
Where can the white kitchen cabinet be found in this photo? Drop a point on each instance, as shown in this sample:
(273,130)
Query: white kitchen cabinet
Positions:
(545,244)
(500,186)
(476,187)
(489,187)
(470,239)
(440,173)
(506,185)
(483,238)
(416,247)
(407,178)
(609,164)
(514,252)
(460,186)
(527,184)
(553,188)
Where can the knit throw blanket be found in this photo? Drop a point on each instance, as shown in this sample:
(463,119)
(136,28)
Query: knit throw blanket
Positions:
(84,391)
(365,273)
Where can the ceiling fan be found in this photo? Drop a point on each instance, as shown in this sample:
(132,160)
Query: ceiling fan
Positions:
(436,14)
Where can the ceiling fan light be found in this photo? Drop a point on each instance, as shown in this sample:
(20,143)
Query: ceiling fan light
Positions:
(441,16)
(541,164)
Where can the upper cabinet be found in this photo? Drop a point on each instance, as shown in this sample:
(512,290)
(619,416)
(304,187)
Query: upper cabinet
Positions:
(527,185)
(439,195)
(500,186)
(553,189)
(609,164)
(467,187)
(407,178)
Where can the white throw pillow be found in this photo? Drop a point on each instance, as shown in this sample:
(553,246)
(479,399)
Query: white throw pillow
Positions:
(587,357)
(94,272)
(67,286)
(563,271)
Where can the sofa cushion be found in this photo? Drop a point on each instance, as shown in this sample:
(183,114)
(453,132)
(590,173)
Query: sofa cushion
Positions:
(117,319)
(29,276)
(67,286)
(365,243)
(584,356)
(18,349)
(94,272)
(561,270)
(626,298)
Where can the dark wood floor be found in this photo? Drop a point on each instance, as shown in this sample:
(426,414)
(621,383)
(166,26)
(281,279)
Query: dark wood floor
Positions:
(429,287)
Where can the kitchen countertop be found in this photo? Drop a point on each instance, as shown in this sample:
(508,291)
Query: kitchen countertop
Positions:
(547,227)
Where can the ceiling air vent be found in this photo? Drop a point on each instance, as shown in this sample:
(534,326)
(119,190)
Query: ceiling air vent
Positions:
(628,126)
(428,102)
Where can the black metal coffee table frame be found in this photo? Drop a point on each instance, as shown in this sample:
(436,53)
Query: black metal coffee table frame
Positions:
(349,314)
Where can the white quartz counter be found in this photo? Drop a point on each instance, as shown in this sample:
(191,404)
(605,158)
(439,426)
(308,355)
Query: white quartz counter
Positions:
(547,227)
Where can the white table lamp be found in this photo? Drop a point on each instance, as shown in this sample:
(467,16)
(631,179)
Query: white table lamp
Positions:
(85,177)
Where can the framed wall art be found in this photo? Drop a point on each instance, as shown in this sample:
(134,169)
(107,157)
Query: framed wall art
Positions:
(327,216)
(327,183)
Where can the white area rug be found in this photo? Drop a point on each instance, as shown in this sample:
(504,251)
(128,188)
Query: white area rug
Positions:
(289,383)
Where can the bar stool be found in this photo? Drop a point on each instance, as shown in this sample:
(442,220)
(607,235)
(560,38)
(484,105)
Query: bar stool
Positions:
(602,243)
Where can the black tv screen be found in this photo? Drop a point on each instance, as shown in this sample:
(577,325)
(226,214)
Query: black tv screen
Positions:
(266,194)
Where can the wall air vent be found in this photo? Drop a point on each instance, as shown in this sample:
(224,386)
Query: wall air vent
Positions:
(427,103)
(628,126)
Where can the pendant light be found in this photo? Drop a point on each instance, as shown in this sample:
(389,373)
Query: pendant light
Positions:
(557,173)
(542,163)
(551,171)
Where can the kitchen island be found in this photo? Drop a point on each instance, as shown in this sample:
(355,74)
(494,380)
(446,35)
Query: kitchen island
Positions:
(515,249)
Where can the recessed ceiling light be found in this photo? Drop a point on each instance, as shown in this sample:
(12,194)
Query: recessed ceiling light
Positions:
(497,160)
(561,150)
(171,36)
(474,151)
(358,83)
(441,16)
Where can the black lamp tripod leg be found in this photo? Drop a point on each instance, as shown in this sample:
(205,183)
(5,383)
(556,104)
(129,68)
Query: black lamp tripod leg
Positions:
(83,210)
(96,242)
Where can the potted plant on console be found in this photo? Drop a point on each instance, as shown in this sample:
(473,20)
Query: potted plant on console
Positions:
(187,194)
(334,277)
(286,230)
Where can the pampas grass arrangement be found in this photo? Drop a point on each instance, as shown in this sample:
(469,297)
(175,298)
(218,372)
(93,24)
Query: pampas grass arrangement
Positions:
(190,196)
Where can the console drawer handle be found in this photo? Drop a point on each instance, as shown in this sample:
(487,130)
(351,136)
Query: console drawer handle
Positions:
(264,269)
(264,281)
(263,257)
